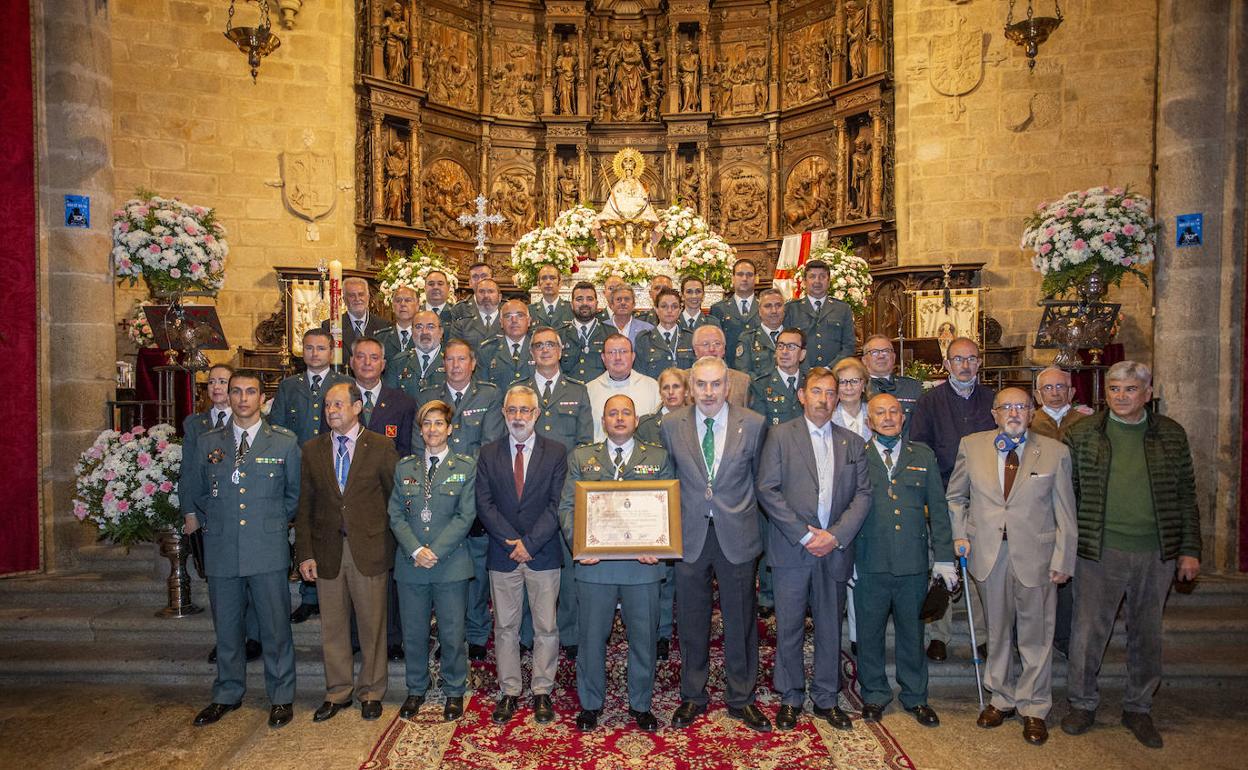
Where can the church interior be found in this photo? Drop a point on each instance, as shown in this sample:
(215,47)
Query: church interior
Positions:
(326,141)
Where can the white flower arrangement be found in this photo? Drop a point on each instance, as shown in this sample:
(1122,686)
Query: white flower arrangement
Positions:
(849,275)
(576,226)
(705,256)
(409,270)
(138,329)
(1099,230)
(173,246)
(631,270)
(537,248)
(677,223)
(127,483)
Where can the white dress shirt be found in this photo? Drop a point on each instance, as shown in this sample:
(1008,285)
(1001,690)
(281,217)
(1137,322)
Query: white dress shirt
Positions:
(528,443)
(627,446)
(720,428)
(825,466)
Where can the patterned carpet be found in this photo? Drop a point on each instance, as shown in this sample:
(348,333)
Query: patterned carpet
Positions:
(714,741)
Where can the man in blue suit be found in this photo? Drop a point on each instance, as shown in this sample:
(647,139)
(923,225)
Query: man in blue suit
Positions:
(245,491)
(519,483)
(601,584)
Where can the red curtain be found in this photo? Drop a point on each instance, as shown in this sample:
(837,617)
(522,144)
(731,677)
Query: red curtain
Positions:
(1243,456)
(19,410)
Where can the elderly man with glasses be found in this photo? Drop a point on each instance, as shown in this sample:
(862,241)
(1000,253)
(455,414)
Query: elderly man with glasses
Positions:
(881,362)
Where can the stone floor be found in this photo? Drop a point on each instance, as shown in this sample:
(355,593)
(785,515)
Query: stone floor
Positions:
(95,726)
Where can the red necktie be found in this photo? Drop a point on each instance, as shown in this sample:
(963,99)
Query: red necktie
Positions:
(518,471)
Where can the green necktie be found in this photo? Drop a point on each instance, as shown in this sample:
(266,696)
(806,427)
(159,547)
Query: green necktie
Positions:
(368,406)
(708,448)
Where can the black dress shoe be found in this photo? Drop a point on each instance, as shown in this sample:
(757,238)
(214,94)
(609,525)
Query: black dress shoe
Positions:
(395,652)
(925,715)
(213,712)
(252,650)
(370,710)
(645,720)
(587,720)
(837,718)
(872,712)
(569,650)
(328,710)
(280,714)
(212,655)
(663,649)
(686,712)
(476,652)
(411,706)
(983,651)
(543,709)
(505,710)
(304,611)
(454,708)
(1078,721)
(753,718)
(786,717)
(1141,726)
(766,612)
(936,651)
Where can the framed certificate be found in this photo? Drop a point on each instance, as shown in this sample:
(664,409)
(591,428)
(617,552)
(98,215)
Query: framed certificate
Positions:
(627,519)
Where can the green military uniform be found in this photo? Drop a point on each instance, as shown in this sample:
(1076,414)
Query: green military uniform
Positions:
(498,363)
(728,312)
(582,358)
(443,588)
(703,319)
(299,408)
(408,372)
(905,389)
(648,315)
(772,397)
(543,317)
(648,431)
(392,343)
(908,511)
(830,334)
(635,586)
(473,331)
(648,428)
(654,353)
(462,310)
(755,353)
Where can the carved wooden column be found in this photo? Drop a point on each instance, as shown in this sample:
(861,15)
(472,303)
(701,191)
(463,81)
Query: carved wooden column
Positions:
(838,46)
(415,58)
(842,167)
(379,152)
(875,36)
(673,71)
(552,205)
(485,46)
(704,61)
(375,48)
(417,188)
(582,161)
(773,162)
(704,178)
(547,44)
(773,35)
(671,171)
(582,73)
(483,183)
(878,133)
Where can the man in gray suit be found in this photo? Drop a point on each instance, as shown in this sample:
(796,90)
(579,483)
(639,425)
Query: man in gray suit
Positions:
(813,482)
(245,490)
(715,447)
(601,584)
(1013,508)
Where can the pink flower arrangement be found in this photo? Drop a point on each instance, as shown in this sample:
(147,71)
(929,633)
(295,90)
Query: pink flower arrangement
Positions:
(127,483)
(175,247)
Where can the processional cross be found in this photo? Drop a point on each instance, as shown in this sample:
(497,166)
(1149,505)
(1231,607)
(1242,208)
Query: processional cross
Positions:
(480,220)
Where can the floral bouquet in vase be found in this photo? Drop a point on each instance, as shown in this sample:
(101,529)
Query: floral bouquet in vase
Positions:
(138,329)
(677,223)
(1093,236)
(705,256)
(631,270)
(408,270)
(539,247)
(174,247)
(576,226)
(127,483)
(849,276)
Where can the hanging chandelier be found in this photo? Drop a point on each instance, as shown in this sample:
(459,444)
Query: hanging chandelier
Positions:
(257,42)
(1032,31)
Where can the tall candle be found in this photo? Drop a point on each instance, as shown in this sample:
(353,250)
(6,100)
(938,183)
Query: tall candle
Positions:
(335,308)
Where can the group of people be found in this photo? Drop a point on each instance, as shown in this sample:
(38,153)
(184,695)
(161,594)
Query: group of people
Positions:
(438,478)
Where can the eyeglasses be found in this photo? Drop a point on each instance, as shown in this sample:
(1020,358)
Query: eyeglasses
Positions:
(878,352)
(548,345)
(515,314)
(1020,408)
(521,411)
(959,360)
(794,346)
(851,383)
(1055,387)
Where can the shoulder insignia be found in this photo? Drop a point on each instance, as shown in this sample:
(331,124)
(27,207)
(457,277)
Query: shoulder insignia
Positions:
(281,430)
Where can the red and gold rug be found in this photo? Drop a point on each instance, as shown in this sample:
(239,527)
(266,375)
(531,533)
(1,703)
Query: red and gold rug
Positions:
(713,742)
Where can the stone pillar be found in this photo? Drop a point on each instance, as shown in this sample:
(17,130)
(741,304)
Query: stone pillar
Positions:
(78,339)
(1202,122)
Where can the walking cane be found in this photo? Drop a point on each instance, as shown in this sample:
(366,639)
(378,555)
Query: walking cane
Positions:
(970,616)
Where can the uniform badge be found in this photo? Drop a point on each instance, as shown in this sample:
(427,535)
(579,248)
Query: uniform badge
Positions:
(216,456)
(740,349)
(392,431)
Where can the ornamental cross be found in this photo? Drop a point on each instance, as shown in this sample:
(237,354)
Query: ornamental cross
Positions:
(480,220)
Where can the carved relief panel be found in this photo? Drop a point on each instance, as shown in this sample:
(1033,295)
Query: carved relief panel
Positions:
(451,65)
(449,192)
(627,73)
(738,79)
(807,63)
(515,192)
(514,81)
(809,195)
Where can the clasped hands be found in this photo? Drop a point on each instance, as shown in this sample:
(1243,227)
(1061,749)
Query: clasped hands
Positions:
(821,542)
(643,559)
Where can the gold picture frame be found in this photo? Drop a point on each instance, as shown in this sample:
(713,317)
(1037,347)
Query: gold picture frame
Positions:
(599,532)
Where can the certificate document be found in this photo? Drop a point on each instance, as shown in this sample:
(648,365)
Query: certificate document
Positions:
(627,519)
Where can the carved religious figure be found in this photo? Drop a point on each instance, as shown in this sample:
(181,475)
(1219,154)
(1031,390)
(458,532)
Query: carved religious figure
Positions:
(655,89)
(688,66)
(628,68)
(689,185)
(627,218)
(568,189)
(394,30)
(513,198)
(744,206)
(396,169)
(448,192)
(860,177)
(856,31)
(602,78)
(566,75)
(807,195)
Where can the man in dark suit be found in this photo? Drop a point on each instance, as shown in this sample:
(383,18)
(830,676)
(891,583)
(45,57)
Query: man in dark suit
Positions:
(245,491)
(715,447)
(828,322)
(550,310)
(519,482)
(600,585)
(400,337)
(194,426)
(420,366)
(584,337)
(739,311)
(342,541)
(298,408)
(357,321)
(485,323)
(477,272)
(813,483)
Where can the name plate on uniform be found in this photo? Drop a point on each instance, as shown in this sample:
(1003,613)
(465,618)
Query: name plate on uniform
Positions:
(627,519)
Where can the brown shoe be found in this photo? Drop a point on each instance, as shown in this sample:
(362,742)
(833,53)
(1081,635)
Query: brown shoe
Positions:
(1035,731)
(992,716)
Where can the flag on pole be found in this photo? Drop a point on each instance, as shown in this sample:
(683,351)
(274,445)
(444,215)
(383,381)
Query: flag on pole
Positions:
(794,251)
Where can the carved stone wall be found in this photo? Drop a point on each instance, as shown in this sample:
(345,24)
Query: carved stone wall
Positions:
(769,116)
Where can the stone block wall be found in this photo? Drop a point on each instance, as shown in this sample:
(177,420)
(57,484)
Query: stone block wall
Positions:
(189,122)
(981,140)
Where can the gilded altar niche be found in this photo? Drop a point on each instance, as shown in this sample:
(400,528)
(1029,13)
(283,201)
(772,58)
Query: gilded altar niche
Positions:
(514,192)
(450,65)
(628,74)
(514,81)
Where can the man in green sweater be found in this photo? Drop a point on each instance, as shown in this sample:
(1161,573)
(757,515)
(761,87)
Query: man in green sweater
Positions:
(1138,525)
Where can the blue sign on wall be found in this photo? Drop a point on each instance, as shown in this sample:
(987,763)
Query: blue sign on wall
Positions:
(1188,229)
(77,211)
